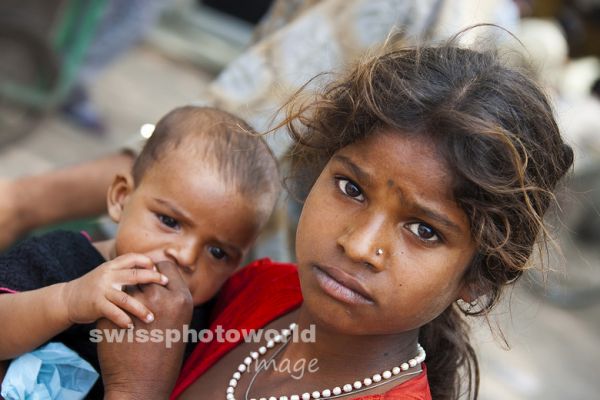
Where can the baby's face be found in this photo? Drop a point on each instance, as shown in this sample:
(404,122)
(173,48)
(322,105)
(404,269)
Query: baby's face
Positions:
(182,211)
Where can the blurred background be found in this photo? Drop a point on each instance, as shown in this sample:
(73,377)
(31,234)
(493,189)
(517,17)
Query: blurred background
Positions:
(78,78)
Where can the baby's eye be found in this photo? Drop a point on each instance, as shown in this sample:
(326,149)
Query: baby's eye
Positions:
(423,232)
(217,252)
(168,221)
(350,189)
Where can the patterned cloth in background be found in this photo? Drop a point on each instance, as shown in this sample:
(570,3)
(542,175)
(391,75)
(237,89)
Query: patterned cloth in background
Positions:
(300,39)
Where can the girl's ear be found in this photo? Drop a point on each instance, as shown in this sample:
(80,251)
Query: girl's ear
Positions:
(118,195)
(466,293)
(470,289)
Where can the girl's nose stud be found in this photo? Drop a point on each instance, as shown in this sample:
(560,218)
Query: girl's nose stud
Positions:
(379,252)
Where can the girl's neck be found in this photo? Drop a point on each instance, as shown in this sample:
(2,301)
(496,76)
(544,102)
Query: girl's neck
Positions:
(345,358)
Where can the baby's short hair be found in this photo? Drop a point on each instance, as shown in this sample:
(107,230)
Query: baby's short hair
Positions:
(225,142)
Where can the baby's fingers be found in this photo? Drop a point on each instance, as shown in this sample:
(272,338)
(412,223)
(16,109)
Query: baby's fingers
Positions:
(116,315)
(132,260)
(139,276)
(125,302)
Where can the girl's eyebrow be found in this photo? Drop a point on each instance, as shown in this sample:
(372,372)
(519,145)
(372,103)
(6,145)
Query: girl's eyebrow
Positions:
(420,208)
(438,218)
(364,176)
(361,175)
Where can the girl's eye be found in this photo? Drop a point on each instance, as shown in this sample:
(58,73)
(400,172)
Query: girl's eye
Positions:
(350,189)
(424,232)
(217,252)
(168,221)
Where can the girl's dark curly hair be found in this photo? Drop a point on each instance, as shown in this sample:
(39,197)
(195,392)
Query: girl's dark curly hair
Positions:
(495,128)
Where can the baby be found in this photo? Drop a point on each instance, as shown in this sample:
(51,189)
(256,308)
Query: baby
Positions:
(197,195)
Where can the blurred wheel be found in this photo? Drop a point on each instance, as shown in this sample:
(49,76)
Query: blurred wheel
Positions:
(28,66)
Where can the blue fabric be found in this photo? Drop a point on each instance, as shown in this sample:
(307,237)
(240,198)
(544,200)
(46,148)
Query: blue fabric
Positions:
(51,372)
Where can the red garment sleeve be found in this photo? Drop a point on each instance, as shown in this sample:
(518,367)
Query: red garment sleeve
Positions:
(416,388)
(256,295)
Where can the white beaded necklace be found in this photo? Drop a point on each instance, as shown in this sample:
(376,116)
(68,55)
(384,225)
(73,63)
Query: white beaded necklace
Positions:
(338,391)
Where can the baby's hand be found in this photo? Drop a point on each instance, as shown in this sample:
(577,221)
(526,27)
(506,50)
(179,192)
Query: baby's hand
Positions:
(99,293)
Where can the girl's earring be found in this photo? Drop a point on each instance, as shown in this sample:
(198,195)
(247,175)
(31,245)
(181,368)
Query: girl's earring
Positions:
(467,307)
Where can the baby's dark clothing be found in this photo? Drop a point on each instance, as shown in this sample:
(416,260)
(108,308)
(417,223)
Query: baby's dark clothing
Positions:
(57,257)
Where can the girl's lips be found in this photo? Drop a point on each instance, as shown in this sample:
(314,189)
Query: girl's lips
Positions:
(338,290)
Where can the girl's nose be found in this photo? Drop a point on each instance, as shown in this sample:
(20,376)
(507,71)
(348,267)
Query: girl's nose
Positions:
(364,241)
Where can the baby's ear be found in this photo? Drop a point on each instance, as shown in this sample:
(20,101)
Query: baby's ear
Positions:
(118,195)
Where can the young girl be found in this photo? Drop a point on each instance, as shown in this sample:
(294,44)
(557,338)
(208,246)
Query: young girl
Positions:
(430,170)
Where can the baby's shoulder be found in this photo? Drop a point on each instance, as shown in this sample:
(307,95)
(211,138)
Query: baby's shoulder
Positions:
(44,260)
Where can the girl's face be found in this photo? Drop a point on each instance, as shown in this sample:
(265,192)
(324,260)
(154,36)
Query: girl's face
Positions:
(382,247)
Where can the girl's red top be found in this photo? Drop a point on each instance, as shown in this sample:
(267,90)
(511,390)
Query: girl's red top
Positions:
(252,298)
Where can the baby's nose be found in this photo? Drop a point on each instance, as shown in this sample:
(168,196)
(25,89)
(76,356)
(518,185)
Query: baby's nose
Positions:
(186,256)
